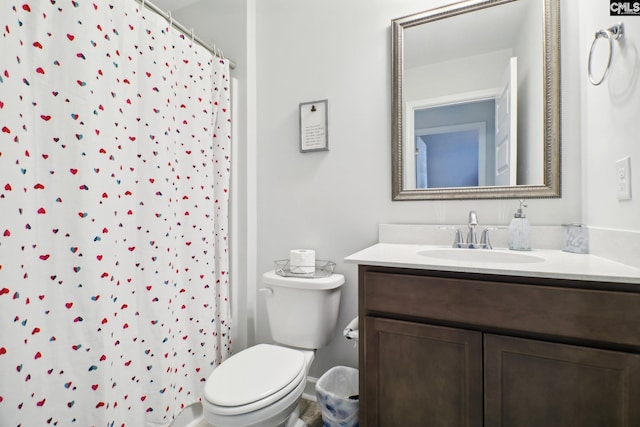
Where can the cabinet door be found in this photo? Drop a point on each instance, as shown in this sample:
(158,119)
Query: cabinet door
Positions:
(421,375)
(535,383)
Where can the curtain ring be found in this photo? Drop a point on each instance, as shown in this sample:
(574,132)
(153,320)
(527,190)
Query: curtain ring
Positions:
(192,35)
(170,19)
(611,34)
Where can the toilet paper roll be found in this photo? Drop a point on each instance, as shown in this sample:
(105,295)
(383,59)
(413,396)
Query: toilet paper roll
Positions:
(302,261)
(351,332)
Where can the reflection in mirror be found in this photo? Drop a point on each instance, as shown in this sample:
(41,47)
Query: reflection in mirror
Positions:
(476,100)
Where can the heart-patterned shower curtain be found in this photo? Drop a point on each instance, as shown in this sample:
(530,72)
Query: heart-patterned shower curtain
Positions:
(114,177)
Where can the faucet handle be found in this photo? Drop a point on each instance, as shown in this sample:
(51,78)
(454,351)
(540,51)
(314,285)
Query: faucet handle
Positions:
(458,241)
(485,242)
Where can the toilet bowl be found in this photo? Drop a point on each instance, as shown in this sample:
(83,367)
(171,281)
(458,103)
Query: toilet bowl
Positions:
(262,385)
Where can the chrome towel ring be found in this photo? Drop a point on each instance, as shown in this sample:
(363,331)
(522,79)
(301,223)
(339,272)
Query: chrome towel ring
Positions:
(611,34)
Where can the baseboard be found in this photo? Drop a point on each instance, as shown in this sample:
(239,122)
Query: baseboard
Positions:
(310,389)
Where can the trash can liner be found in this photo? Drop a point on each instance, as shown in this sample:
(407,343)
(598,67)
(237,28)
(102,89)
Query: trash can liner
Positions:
(337,395)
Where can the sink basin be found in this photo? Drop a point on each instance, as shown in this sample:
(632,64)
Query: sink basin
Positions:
(480,255)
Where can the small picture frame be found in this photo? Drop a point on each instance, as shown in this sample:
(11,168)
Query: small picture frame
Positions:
(313,126)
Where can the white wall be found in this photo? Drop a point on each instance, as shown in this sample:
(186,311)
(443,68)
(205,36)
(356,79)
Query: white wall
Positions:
(333,201)
(611,129)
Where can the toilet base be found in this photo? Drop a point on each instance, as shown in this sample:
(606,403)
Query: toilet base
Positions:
(294,420)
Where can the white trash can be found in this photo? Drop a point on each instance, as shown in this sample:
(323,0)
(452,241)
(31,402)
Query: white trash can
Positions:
(337,395)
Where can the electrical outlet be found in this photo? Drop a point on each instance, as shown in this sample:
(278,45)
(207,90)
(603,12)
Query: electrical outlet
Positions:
(623,178)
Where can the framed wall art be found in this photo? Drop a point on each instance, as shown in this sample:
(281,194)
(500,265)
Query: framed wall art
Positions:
(313,126)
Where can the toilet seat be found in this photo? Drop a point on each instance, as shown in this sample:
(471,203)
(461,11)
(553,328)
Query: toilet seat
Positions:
(254,378)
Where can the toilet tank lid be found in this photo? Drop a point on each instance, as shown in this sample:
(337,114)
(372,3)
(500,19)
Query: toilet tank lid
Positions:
(319,283)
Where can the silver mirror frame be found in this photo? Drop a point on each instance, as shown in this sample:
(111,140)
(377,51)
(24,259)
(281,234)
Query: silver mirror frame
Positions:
(551,93)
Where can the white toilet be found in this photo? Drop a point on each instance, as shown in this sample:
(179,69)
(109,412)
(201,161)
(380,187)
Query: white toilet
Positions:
(262,385)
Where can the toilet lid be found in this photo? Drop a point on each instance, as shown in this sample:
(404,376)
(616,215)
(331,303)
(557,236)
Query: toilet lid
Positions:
(253,375)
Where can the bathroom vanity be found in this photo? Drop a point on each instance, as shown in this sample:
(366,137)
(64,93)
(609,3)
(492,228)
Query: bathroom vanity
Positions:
(553,341)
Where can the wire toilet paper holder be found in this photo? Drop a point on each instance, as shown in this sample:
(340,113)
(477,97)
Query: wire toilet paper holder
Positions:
(323,268)
(612,33)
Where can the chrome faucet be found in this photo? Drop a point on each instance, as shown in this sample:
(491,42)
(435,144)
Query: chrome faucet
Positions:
(472,241)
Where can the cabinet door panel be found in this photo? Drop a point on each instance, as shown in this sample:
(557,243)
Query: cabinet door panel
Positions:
(421,375)
(534,383)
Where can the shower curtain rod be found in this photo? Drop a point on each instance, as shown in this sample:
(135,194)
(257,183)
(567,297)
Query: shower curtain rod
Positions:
(185,30)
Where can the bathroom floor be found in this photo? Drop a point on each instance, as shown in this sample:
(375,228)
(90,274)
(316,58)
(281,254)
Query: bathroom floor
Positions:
(310,413)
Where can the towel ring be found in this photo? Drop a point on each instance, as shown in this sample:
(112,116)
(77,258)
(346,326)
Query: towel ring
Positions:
(611,34)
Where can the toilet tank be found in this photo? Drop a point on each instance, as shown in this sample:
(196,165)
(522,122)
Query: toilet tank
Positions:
(302,312)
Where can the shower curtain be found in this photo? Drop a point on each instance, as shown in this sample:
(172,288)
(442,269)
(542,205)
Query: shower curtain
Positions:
(114,178)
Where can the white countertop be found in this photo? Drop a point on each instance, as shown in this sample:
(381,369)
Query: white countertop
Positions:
(555,264)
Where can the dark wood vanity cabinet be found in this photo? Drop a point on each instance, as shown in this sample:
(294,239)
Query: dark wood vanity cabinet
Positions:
(457,349)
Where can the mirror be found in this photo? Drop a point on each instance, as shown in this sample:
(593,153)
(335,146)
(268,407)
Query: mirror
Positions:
(476,101)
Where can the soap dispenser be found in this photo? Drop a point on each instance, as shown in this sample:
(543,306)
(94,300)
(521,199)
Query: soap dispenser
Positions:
(520,230)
